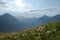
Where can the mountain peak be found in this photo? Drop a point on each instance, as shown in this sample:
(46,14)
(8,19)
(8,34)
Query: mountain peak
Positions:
(58,15)
(45,16)
(7,14)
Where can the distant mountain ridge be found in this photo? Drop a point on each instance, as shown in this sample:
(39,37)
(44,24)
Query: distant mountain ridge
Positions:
(42,20)
(56,17)
(46,19)
(9,23)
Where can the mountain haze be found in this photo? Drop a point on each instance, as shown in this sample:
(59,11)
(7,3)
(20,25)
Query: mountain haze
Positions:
(10,23)
(41,20)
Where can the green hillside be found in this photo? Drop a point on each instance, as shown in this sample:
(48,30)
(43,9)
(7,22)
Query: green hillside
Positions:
(49,31)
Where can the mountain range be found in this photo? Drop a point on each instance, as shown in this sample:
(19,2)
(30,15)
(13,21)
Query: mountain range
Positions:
(41,20)
(9,23)
(46,19)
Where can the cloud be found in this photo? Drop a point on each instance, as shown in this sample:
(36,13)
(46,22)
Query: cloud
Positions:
(15,5)
(21,5)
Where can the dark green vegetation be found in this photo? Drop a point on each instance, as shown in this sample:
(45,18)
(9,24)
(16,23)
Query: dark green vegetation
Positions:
(49,31)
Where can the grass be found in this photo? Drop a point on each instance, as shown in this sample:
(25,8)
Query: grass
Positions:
(50,31)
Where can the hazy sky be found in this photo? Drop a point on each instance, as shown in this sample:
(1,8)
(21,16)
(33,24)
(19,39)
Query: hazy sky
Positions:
(26,5)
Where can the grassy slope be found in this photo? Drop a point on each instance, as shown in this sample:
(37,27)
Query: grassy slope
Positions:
(49,31)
